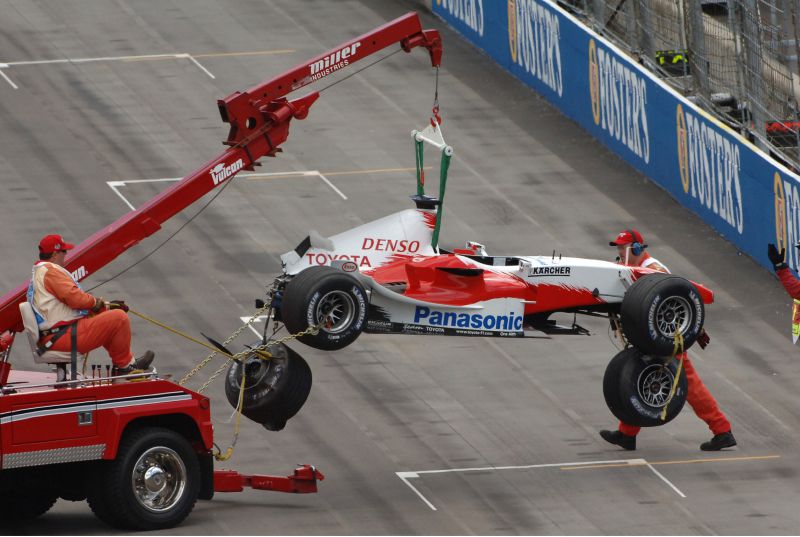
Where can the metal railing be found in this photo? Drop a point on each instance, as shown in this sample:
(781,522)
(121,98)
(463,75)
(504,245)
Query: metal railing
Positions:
(738,59)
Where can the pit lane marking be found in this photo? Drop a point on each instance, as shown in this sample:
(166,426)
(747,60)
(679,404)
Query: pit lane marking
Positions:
(405,477)
(139,58)
(115,185)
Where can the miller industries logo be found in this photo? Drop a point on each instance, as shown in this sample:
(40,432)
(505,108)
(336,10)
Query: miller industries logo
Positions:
(512,29)
(594,81)
(780,212)
(683,153)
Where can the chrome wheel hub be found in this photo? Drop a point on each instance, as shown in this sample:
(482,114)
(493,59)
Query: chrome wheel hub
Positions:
(158,479)
(673,316)
(337,309)
(654,384)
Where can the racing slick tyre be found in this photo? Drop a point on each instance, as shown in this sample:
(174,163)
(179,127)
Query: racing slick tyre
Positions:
(324,292)
(21,506)
(637,386)
(274,390)
(153,483)
(656,308)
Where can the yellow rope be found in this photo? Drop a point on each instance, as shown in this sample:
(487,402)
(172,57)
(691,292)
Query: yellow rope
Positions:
(239,407)
(178,332)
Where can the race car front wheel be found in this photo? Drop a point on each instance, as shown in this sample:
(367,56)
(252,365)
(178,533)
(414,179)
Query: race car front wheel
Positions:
(637,388)
(275,389)
(656,308)
(327,297)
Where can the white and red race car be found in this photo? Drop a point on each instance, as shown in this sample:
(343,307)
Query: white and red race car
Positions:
(389,276)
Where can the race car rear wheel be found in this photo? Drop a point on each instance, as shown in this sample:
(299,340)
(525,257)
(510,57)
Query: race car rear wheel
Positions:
(330,296)
(275,389)
(637,387)
(656,308)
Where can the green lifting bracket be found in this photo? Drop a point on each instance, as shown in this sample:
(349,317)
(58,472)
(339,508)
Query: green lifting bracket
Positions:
(432,134)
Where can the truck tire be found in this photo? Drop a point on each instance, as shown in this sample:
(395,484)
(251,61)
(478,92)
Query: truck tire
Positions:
(153,483)
(21,506)
(325,291)
(658,306)
(275,389)
(636,388)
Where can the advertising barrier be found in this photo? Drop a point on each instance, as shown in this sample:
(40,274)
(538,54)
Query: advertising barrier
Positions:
(743,194)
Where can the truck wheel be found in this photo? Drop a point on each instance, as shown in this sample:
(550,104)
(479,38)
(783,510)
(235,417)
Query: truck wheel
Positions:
(636,388)
(20,506)
(152,484)
(656,308)
(318,293)
(275,389)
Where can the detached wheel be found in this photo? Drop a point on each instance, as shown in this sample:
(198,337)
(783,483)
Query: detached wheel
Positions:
(153,483)
(656,308)
(636,388)
(21,506)
(325,293)
(274,390)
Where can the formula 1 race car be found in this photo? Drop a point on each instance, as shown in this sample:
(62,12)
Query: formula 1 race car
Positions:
(390,276)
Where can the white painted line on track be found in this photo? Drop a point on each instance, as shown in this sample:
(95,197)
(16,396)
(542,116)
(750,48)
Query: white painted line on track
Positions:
(325,179)
(259,319)
(664,479)
(198,64)
(5,76)
(405,476)
(115,185)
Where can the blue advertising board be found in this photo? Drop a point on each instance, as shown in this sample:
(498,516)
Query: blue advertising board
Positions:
(742,193)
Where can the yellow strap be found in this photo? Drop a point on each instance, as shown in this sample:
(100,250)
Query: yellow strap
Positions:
(677,349)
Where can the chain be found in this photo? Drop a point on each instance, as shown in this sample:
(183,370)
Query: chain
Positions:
(208,358)
(260,350)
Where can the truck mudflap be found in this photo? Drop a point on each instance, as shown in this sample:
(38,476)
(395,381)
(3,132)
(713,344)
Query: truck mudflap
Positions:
(303,481)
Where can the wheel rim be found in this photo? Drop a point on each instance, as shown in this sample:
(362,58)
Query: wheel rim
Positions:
(337,308)
(259,372)
(159,479)
(654,385)
(673,316)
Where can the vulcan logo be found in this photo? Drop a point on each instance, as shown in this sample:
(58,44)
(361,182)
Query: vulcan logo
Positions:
(424,315)
(80,273)
(619,101)
(333,62)
(548,271)
(220,172)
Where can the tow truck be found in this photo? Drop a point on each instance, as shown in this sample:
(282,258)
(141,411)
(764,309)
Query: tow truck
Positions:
(140,447)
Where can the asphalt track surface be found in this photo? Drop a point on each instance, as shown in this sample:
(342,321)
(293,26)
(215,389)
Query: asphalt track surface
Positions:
(524,181)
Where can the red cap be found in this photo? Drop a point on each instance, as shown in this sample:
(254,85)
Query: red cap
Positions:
(54,243)
(627,237)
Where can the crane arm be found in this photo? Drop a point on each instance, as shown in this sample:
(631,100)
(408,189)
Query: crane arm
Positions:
(259,123)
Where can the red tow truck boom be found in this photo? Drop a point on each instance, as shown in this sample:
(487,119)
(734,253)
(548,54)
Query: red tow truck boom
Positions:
(141,453)
(259,123)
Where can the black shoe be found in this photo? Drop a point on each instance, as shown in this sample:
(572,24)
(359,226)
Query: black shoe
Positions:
(143,361)
(622,440)
(720,441)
